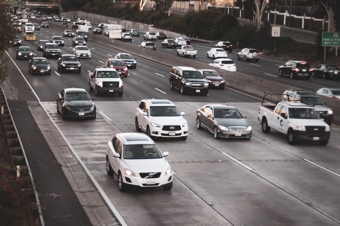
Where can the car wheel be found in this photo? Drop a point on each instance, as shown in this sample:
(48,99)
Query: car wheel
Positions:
(198,123)
(168,186)
(120,94)
(280,73)
(172,86)
(96,93)
(238,57)
(137,125)
(291,75)
(245,58)
(291,137)
(214,57)
(148,132)
(184,138)
(324,76)
(308,77)
(208,56)
(182,90)
(79,71)
(177,54)
(257,60)
(63,115)
(121,184)
(58,108)
(265,127)
(109,169)
(90,87)
(215,132)
(313,74)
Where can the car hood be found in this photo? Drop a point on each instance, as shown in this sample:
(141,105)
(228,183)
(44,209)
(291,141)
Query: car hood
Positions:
(232,122)
(169,120)
(214,78)
(195,80)
(108,79)
(80,103)
(71,62)
(146,165)
(309,122)
(25,52)
(52,49)
(321,108)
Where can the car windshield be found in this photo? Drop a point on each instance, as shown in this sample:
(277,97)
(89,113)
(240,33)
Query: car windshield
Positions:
(24,49)
(117,63)
(171,40)
(68,31)
(160,111)
(35,24)
(54,46)
(80,39)
(312,100)
(192,74)
(141,151)
(40,61)
(187,47)
(252,51)
(57,38)
(29,33)
(226,113)
(220,50)
(108,74)
(210,74)
(303,113)
(82,48)
(332,67)
(70,58)
(126,56)
(149,44)
(81,33)
(77,96)
(152,33)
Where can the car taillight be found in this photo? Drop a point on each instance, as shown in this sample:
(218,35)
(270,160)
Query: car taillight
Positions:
(296,69)
(331,71)
(310,69)
(223,45)
(230,45)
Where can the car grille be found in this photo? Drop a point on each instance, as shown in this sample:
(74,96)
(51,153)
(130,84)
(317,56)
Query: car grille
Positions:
(237,128)
(171,128)
(197,85)
(77,109)
(71,65)
(315,130)
(323,112)
(149,175)
(110,84)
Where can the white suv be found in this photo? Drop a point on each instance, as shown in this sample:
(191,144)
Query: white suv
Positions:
(150,35)
(160,118)
(137,161)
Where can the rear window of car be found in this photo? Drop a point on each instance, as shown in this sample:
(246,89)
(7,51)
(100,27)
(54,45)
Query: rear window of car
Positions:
(152,33)
(150,44)
(220,50)
(253,51)
(303,65)
(227,62)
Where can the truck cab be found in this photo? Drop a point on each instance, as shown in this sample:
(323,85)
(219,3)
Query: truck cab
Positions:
(105,81)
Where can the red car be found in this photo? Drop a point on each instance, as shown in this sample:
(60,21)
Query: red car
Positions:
(119,65)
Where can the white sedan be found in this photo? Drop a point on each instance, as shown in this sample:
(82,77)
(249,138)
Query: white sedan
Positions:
(136,160)
(180,41)
(217,53)
(224,64)
(82,52)
(330,92)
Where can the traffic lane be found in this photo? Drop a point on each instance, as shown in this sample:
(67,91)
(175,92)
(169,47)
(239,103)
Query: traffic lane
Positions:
(200,161)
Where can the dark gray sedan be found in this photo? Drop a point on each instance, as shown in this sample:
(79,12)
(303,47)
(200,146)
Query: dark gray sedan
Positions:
(39,65)
(224,121)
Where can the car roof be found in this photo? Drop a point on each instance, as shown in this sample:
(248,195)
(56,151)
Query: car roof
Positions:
(135,138)
(185,68)
(100,68)
(221,105)
(39,58)
(68,54)
(155,102)
(74,89)
(206,70)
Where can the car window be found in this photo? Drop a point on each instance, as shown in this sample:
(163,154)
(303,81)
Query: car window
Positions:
(336,92)
(70,58)
(192,74)
(220,50)
(210,74)
(141,151)
(108,74)
(332,67)
(82,48)
(303,113)
(312,100)
(77,96)
(125,56)
(227,113)
(40,61)
(117,63)
(161,111)
(253,51)
(303,65)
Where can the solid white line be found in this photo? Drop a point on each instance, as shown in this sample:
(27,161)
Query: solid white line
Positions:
(92,48)
(271,75)
(235,160)
(57,73)
(160,75)
(160,91)
(109,55)
(338,175)
(106,116)
(255,65)
(100,61)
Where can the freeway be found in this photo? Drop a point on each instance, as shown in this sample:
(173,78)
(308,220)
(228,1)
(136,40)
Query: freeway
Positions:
(263,181)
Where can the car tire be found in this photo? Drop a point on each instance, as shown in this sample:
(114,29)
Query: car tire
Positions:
(137,125)
(280,73)
(198,123)
(58,108)
(214,57)
(324,76)
(215,132)
(182,90)
(307,78)
(148,132)
(238,57)
(120,94)
(257,60)
(313,74)
(121,184)
(168,186)
(96,93)
(108,167)
(245,58)
(172,86)
(177,53)
(90,87)
(291,75)
(184,138)
(264,126)
(63,115)
(291,137)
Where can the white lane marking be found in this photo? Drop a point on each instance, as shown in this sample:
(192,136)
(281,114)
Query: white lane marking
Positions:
(160,75)
(255,65)
(109,55)
(105,115)
(89,71)
(100,61)
(313,163)
(271,75)
(160,91)
(238,162)
(57,73)
(92,48)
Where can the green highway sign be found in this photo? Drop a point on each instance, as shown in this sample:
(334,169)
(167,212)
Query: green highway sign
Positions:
(330,39)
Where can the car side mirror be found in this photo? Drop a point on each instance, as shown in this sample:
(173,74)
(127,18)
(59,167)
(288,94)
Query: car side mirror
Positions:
(145,113)
(284,115)
(244,116)
(116,155)
(165,154)
(182,113)
(60,98)
(93,76)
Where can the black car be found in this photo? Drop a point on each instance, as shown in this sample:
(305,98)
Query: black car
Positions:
(169,43)
(214,79)
(75,103)
(39,65)
(326,71)
(17,41)
(188,80)
(226,45)
(97,30)
(82,34)
(148,45)
(44,24)
(24,52)
(101,26)
(223,121)
(64,24)
(69,62)
(78,41)
(129,60)
(161,35)
(68,33)
(51,50)
(41,43)
(58,40)
(36,26)
(296,69)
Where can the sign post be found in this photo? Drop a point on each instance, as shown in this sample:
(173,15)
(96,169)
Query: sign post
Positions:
(331,39)
(276,32)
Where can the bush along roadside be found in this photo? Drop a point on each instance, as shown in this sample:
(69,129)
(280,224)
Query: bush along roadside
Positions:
(18,203)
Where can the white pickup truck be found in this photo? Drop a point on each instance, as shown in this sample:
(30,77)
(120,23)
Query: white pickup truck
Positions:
(296,120)
(105,81)
(187,51)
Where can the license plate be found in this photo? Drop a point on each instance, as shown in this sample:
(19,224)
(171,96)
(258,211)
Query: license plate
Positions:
(25,56)
(316,138)
(198,91)
(53,54)
(172,134)
(81,113)
(71,68)
(42,70)
(150,182)
(119,72)
(111,90)
(129,65)
(238,134)
(216,84)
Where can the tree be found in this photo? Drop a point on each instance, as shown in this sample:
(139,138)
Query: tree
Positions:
(142,4)
(162,6)
(330,7)
(259,9)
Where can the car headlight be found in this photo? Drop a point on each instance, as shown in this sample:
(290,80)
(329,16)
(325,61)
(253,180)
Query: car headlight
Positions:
(62,64)
(19,41)
(208,80)
(223,128)
(300,128)
(84,42)
(153,124)
(249,128)
(76,41)
(79,65)
(329,112)
(187,83)
(222,81)
(185,124)
(34,67)
(100,84)
(168,171)
(328,128)
(120,84)
(128,172)
(19,54)
(206,84)
(72,33)
(92,108)
(31,54)
(62,41)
